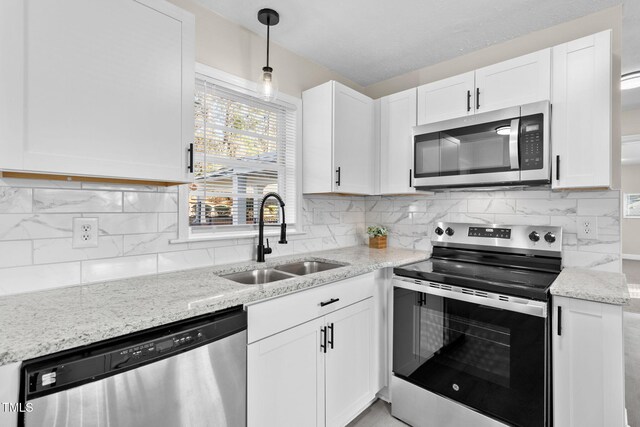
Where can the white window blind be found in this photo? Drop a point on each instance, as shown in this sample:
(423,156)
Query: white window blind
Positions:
(243,149)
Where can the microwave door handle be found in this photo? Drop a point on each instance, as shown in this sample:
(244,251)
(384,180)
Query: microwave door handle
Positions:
(513,144)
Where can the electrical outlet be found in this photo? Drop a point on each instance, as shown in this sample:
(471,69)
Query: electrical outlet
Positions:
(85,232)
(588,227)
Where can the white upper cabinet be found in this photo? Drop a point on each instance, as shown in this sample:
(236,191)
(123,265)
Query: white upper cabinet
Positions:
(518,81)
(338,143)
(397,119)
(97,88)
(581,124)
(446,99)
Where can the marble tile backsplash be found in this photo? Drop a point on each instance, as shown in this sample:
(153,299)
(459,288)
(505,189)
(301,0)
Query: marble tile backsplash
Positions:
(411,219)
(136,224)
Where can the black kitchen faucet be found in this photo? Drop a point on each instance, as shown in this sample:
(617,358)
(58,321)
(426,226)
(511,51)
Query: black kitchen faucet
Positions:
(262,251)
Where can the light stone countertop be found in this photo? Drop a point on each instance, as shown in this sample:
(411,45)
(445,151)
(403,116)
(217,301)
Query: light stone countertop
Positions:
(39,323)
(590,285)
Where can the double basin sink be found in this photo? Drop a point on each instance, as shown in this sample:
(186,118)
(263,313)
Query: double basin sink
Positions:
(281,272)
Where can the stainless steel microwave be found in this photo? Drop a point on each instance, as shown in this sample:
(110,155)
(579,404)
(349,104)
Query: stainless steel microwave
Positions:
(508,147)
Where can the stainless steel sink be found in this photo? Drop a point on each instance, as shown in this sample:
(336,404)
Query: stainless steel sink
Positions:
(307,267)
(258,277)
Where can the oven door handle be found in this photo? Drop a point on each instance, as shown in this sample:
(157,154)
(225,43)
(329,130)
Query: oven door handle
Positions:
(514,134)
(505,302)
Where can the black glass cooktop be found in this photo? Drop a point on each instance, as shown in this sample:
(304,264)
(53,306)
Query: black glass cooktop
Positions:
(505,279)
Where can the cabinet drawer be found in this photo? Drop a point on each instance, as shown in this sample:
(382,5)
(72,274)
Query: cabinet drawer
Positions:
(273,316)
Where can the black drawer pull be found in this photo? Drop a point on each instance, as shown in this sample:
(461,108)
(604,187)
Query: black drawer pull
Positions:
(338,176)
(190,165)
(559,320)
(557,168)
(477,98)
(331,301)
(323,339)
(468,100)
(330,342)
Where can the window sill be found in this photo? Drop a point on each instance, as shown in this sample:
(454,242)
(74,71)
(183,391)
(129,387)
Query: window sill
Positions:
(239,235)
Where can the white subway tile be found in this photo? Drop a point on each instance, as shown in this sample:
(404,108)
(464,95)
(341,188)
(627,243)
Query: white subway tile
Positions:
(15,200)
(118,268)
(307,245)
(206,244)
(183,260)
(472,218)
(506,219)
(150,202)
(38,277)
(599,207)
(603,244)
(127,223)
(55,200)
(325,217)
(496,206)
(167,221)
(35,226)
(595,261)
(15,253)
(237,253)
(47,251)
(137,244)
(546,207)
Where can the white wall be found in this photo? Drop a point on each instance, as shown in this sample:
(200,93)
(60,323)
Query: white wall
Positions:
(411,219)
(631,226)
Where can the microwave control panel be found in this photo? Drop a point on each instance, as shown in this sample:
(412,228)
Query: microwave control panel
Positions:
(531,142)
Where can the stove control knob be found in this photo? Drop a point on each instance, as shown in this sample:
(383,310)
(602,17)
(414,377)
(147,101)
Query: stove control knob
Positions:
(534,236)
(550,237)
(439,231)
(449,231)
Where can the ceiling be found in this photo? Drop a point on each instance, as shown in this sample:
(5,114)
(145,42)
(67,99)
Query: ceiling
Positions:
(368,41)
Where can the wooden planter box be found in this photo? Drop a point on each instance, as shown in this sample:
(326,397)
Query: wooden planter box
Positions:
(379,242)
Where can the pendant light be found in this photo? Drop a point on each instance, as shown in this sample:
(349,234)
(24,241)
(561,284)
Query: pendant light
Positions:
(267,84)
(630,80)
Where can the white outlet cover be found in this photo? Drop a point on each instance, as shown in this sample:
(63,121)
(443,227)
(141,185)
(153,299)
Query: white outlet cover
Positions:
(85,233)
(587,227)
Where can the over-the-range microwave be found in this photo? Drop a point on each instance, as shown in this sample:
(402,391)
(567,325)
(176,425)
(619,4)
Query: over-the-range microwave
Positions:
(508,147)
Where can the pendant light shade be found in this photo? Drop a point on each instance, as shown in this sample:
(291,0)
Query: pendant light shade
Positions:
(267,83)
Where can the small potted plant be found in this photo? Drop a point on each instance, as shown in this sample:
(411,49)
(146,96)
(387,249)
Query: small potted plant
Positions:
(377,236)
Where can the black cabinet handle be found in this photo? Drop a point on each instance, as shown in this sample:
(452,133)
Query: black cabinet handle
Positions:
(190,165)
(557,168)
(338,172)
(559,320)
(330,342)
(468,100)
(331,301)
(477,98)
(323,339)
(410,176)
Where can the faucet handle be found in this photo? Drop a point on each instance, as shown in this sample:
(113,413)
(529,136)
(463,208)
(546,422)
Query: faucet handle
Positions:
(267,250)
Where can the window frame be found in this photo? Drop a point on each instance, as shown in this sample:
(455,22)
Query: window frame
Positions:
(187,233)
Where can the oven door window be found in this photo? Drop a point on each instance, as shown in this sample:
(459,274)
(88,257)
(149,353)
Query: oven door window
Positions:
(482,148)
(489,359)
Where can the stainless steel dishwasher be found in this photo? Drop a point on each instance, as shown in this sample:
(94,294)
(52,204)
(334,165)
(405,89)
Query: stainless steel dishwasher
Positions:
(190,373)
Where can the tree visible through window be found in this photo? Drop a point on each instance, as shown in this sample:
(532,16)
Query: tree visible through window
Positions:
(243,149)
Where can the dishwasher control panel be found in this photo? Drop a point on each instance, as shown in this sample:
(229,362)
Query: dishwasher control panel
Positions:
(152,349)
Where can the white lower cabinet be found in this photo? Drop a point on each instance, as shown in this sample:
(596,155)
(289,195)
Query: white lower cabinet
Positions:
(588,364)
(322,372)
(9,393)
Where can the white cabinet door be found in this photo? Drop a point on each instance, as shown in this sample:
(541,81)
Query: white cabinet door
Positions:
(9,393)
(588,364)
(397,119)
(352,141)
(446,99)
(97,88)
(581,123)
(514,82)
(349,359)
(285,378)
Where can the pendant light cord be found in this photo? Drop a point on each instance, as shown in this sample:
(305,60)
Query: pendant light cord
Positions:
(268,25)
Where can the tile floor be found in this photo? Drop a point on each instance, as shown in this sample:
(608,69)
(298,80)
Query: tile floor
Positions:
(377,415)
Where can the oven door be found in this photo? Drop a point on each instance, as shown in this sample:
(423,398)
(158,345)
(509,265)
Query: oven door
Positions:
(485,353)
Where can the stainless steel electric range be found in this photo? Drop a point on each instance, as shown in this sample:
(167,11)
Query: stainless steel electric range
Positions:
(471,328)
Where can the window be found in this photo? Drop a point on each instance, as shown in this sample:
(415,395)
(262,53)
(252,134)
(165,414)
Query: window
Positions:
(243,149)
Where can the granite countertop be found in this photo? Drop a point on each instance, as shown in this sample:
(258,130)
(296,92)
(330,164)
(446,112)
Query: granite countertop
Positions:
(590,285)
(40,323)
